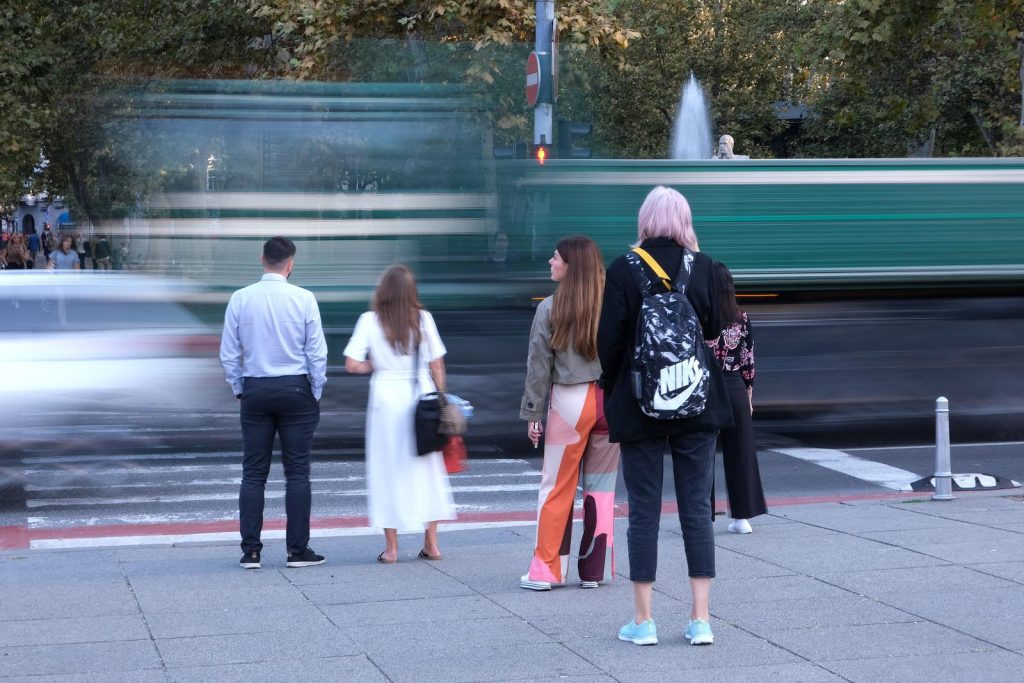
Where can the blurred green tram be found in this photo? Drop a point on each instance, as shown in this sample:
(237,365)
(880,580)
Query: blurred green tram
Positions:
(365,175)
(799,227)
(360,176)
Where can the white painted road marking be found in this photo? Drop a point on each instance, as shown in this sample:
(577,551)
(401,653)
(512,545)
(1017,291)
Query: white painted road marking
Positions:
(850,465)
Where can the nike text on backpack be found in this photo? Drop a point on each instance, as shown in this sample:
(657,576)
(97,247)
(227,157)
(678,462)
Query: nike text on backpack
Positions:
(670,366)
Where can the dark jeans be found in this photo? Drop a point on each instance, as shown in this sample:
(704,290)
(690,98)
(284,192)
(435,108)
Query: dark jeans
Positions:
(693,471)
(283,406)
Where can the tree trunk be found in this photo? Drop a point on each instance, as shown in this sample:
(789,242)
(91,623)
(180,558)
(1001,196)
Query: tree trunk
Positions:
(1020,51)
(980,123)
(82,195)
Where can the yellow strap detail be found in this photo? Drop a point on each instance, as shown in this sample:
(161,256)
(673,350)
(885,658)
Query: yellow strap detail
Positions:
(658,270)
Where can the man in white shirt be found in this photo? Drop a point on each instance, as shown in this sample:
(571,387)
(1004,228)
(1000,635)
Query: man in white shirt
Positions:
(275,359)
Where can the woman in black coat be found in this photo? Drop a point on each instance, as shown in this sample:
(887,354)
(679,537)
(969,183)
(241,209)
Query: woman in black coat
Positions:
(665,232)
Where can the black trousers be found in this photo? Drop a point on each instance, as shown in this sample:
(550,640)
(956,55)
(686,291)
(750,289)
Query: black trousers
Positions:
(739,455)
(282,406)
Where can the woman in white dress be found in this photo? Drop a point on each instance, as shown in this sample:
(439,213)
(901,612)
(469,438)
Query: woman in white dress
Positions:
(407,492)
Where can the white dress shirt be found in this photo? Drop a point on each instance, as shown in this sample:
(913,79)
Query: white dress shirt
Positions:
(272,329)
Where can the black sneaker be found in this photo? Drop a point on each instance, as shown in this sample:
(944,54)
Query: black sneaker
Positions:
(307,558)
(251,560)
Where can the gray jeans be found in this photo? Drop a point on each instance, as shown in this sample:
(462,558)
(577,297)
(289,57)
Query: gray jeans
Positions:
(693,471)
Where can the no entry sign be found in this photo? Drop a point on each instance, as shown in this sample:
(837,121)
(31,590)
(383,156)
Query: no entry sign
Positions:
(532,79)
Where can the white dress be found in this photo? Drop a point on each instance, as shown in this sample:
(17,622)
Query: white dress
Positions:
(405,490)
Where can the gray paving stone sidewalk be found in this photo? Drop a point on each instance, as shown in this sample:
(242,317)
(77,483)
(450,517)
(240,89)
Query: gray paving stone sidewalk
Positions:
(866,591)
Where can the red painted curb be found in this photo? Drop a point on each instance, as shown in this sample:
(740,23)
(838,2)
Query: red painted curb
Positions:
(20,537)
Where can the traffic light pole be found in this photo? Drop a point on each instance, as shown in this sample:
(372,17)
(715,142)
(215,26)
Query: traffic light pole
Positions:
(543,113)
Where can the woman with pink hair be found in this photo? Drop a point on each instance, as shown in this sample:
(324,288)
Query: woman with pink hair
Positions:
(665,235)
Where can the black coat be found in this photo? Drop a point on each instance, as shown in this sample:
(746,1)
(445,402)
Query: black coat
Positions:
(616,336)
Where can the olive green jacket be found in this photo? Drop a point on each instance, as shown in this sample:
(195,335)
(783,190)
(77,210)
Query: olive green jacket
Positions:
(546,366)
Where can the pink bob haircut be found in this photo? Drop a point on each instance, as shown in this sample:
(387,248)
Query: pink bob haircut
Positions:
(666,213)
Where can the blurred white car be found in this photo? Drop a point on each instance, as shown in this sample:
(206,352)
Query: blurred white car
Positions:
(115,340)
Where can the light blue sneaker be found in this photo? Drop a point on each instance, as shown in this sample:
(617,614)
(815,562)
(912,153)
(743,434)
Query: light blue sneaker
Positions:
(698,632)
(639,634)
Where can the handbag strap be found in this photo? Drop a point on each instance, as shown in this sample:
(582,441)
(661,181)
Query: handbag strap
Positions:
(442,397)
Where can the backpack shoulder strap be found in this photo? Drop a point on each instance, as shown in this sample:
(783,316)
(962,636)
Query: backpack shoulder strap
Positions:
(682,278)
(643,282)
(654,265)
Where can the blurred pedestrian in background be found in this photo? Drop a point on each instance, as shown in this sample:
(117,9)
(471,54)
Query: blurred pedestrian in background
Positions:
(275,360)
(49,241)
(17,252)
(500,253)
(81,247)
(733,348)
(101,253)
(64,258)
(665,232)
(562,370)
(33,248)
(399,343)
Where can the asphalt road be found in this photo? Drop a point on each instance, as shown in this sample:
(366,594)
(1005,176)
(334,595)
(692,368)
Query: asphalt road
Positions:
(842,373)
(843,376)
(185,491)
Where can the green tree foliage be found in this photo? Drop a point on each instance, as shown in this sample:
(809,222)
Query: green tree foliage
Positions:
(883,77)
(58,58)
(311,36)
(747,54)
(24,61)
(482,43)
(920,77)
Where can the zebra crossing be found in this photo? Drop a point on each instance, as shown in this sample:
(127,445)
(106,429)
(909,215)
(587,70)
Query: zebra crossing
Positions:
(88,500)
(159,489)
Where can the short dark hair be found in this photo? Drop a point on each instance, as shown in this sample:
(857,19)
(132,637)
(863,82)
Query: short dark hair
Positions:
(277,250)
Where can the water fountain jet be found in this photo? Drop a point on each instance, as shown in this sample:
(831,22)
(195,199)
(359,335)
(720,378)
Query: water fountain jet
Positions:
(691,132)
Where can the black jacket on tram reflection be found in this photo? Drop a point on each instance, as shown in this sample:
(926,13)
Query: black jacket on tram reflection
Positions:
(616,338)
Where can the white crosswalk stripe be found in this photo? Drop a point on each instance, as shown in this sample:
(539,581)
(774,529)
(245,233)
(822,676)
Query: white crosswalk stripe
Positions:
(870,471)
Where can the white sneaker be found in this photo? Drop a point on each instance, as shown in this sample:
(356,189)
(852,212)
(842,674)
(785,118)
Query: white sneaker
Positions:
(526,582)
(589,584)
(740,526)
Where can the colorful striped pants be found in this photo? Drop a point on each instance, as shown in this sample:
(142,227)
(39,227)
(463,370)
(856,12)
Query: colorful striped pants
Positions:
(576,434)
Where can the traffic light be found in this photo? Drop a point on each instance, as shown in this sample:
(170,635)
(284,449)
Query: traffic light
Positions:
(542,153)
(517,151)
(568,132)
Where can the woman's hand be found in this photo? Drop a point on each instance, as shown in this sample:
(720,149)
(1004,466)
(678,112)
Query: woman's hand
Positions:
(534,430)
(750,399)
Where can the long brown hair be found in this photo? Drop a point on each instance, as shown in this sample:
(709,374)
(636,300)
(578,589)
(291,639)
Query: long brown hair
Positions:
(397,305)
(729,311)
(577,301)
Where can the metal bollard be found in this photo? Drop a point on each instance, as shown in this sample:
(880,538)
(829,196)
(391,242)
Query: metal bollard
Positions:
(943,475)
